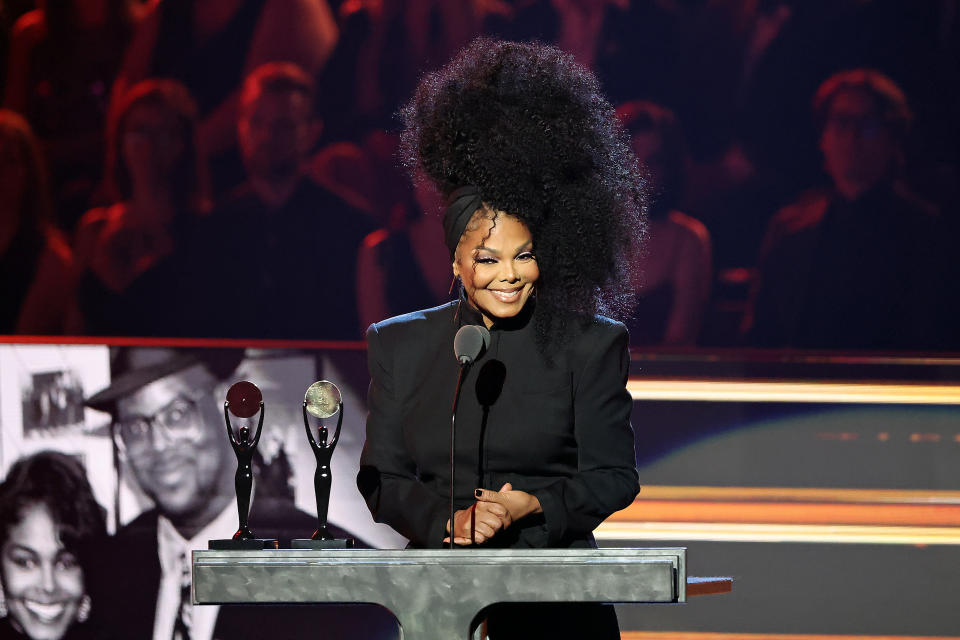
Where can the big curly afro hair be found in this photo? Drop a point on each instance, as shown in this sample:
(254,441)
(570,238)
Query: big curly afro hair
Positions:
(528,127)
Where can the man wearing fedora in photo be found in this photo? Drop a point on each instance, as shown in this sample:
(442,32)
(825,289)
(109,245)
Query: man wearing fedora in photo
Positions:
(168,425)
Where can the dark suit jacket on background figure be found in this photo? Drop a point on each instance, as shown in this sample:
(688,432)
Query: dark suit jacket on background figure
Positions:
(154,302)
(835,274)
(561,433)
(288,273)
(125,588)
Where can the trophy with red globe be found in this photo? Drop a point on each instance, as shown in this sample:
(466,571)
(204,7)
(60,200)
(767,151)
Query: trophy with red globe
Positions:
(244,400)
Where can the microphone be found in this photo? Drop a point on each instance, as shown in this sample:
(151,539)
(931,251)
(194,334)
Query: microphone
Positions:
(469,341)
(467,344)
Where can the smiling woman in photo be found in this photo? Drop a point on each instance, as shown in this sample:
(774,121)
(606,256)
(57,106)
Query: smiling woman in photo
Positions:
(49,521)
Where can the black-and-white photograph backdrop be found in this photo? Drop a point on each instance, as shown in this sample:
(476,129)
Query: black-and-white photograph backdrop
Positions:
(43,389)
(117,465)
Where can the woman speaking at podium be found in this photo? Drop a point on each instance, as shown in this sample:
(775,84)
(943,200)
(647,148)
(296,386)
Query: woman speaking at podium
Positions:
(543,222)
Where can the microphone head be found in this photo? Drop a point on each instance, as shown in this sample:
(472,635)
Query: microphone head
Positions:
(469,341)
(485,334)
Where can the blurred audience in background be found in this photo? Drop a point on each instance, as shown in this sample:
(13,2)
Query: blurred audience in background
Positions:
(211,45)
(63,60)
(384,47)
(405,265)
(129,276)
(280,250)
(29,241)
(676,268)
(739,75)
(856,265)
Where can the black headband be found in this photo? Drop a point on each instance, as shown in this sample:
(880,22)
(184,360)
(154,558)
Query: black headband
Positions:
(461,205)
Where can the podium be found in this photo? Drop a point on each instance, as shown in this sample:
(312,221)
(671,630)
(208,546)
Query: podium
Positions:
(436,594)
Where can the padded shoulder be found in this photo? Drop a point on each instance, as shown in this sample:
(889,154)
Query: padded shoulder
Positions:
(415,322)
(599,335)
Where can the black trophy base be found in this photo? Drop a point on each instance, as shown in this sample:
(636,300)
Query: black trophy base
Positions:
(242,544)
(309,543)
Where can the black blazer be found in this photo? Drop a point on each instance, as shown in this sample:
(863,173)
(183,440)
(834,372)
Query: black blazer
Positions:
(560,432)
(125,586)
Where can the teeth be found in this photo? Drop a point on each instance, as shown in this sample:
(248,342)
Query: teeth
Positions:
(46,612)
(506,297)
(170,476)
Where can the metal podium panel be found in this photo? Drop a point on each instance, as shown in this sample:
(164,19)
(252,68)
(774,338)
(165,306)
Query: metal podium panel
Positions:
(412,583)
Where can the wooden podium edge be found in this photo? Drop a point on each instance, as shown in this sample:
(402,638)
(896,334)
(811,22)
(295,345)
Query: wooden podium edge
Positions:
(697,586)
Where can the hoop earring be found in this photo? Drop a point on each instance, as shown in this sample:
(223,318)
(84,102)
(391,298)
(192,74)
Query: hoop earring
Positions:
(453,283)
(83,612)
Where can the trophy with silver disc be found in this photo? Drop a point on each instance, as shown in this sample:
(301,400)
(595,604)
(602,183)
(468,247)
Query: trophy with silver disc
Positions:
(322,401)
(244,400)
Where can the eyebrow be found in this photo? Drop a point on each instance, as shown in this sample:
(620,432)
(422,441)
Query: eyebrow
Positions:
(146,416)
(524,247)
(16,546)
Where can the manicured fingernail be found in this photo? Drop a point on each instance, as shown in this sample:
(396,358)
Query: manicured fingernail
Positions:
(478,493)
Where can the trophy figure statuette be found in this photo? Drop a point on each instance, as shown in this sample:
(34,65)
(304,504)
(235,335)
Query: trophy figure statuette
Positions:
(244,400)
(322,400)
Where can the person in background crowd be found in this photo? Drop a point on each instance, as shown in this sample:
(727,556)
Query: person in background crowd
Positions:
(280,245)
(675,272)
(212,45)
(854,266)
(63,59)
(581,26)
(620,40)
(128,278)
(50,526)
(168,419)
(384,47)
(10,12)
(30,244)
(401,267)
(795,44)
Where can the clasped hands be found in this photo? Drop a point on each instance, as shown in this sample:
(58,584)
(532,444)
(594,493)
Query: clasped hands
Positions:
(492,512)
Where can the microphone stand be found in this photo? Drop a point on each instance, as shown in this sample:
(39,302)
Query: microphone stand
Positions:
(464,366)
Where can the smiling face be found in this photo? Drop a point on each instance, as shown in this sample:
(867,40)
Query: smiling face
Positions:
(182,460)
(859,149)
(275,132)
(42,581)
(153,143)
(496,264)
